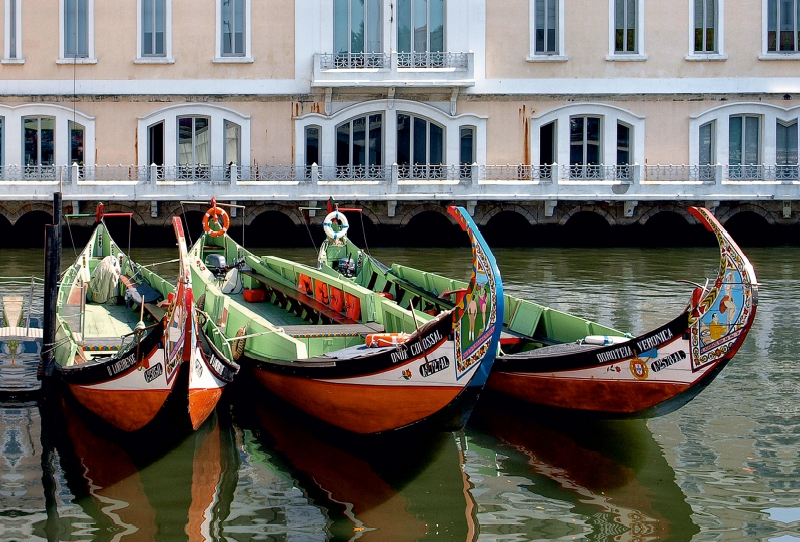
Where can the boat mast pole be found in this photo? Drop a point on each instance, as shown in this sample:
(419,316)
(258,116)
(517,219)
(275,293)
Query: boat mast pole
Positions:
(52,271)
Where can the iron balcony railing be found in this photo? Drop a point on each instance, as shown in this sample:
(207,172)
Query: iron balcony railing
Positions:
(426,60)
(350,61)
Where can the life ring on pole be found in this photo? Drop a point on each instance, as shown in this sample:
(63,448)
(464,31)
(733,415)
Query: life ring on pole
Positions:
(217,213)
(327,225)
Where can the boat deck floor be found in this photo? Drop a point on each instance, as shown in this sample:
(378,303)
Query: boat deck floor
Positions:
(273,314)
(108,321)
(555,350)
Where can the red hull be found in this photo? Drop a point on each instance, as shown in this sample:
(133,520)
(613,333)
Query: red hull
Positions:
(201,404)
(359,408)
(584,394)
(128,410)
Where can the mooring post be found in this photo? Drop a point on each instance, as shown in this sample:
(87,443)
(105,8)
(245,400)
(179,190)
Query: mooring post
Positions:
(52,271)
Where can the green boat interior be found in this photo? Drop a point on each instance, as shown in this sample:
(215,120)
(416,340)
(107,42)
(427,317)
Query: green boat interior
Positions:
(286,310)
(527,325)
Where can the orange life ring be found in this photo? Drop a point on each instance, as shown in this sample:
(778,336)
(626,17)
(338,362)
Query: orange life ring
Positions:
(375,340)
(217,213)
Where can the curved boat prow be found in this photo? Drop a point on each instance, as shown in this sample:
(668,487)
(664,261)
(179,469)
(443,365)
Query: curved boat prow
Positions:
(723,314)
(479,311)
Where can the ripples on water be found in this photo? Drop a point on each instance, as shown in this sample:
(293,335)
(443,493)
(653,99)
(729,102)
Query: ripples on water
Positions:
(723,467)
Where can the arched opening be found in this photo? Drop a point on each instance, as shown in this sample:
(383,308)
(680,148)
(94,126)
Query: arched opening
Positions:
(6,232)
(273,229)
(751,229)
(586,229)
(670,229)
(509,229)
(363,231)
(431,229)
(28,232)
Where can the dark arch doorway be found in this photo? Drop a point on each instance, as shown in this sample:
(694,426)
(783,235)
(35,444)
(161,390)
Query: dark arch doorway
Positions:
(670,229)
(28,232)
(586,229)
(7,232)
(509,229)
(750,229)
(431,229)
(274,229)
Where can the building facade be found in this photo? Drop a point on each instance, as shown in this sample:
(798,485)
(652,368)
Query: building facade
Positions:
(542,105)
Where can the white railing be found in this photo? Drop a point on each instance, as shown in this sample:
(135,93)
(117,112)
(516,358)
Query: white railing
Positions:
(453,69)
(396,182)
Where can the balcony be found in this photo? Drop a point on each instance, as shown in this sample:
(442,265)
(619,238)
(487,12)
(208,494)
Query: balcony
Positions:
(476,182)
(384,70)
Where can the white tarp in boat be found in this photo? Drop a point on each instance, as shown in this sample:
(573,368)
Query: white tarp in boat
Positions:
(105,278)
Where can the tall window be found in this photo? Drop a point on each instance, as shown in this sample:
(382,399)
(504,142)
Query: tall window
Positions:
(76,28)
(38,134)
(782,26)
(546,21)
(233,27)
(420,33)
(153,27)
(786,150)
(584,146)
(623,151)
(312,148)
(420,147)
(194,146)
(625,26)
(705,26)
(357,33)
(466,150)
(12,29)
(744,146)
(707,151)
(76,136)
(2,142)
(233,153)
(155,144)
(359,147)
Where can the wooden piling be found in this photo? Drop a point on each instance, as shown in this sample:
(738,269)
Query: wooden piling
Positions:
(52,272)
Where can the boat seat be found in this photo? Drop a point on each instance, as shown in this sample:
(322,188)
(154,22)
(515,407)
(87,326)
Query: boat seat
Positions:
(151,308)
(306,300)
(333,330)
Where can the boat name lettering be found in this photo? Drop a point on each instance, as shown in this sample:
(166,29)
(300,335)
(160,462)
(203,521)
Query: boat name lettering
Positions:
(434,366)
(400,353)
(153,372)
(426,342)
(663,363)
(216,364)
(654,340)
(125,363)
(618,353)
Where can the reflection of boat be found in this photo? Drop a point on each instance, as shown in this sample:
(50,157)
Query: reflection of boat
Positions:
(385,488)
(591,478)
(114,364)
(134,489)
(558,360)
(340,351)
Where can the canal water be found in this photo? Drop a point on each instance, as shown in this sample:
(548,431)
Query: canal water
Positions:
(723,467)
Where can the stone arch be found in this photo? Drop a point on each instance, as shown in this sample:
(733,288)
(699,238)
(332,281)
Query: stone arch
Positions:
(667,208)
(292,213)
(483,218)
(590,208)
(34,206)
(771,217)
(421,208)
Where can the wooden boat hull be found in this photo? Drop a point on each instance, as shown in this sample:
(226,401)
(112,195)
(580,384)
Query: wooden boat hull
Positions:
(651,374)
(432,376)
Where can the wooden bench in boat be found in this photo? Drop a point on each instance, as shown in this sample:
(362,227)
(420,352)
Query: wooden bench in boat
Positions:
(333,330)
(152,308)
(298,297)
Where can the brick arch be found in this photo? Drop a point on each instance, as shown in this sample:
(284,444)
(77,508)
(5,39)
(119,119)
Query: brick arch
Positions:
(483,218)
(421,208)
(293,213)
(14,216)
(667,208)
(138,219)
(771,217)
(596,209)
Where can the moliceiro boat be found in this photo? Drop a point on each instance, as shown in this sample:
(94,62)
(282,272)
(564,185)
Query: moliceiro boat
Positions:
(114,363)
(344,353)
(555,359)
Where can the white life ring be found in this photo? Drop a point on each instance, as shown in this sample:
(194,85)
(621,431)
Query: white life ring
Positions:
(327,225)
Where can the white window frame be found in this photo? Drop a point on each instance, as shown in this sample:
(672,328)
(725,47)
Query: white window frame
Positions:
(617,56)
(167,58)
(217,116)
(720,55)
(390,108)
(766,54)
(770,115)
(13,115)
(90,59)
(610,115)
(560,55)
(18,58)
(248,54)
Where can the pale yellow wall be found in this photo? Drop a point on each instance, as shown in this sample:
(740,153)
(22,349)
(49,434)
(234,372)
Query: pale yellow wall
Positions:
(666,36)
(193,43)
